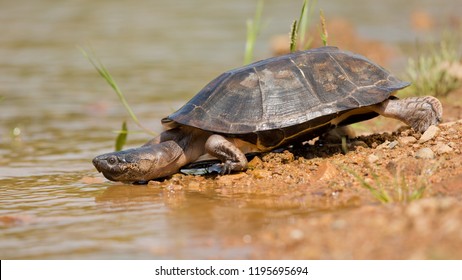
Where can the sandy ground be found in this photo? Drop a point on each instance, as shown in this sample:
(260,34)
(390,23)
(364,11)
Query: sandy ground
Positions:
(391,196)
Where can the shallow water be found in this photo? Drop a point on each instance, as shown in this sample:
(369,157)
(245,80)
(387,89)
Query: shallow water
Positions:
(57,114)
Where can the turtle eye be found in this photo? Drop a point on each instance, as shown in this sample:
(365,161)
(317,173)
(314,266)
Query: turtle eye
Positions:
(112,160)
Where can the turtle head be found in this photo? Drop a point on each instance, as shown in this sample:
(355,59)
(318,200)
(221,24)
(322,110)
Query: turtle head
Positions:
(141,164)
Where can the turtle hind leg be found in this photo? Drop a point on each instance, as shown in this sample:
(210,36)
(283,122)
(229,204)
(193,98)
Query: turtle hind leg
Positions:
(231,157)
(417,112)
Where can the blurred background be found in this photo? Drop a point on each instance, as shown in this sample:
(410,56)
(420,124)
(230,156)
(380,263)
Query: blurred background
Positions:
(56,112)
(168,50)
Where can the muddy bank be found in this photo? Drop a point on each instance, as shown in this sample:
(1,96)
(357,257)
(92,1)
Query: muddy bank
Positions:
(392,195)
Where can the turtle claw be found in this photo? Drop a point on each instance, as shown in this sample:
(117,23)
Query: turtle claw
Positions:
(224,168)
(228,167)
(221,168)
(215,168)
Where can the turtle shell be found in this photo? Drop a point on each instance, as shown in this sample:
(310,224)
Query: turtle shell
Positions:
(291,93)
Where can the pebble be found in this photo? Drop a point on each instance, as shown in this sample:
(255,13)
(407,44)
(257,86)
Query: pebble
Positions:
(255,162)
(425,153)
(388,145)
(443,149)
(372,158)
(326,171)
(407,140)
(429,134)
(393,144)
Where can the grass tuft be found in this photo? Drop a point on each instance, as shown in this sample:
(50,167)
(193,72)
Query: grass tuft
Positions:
(299,27)
(436,70)
(398,189)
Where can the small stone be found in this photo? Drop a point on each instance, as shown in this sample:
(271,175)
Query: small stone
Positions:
(425,153)
(372,158)
(392,144)
(407,140)
(326,171)
(429,134)
(255,162)
(384,145)
(388,145)
(443,149)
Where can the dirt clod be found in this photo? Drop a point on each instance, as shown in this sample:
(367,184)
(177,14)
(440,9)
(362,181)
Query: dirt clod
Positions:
(425,153)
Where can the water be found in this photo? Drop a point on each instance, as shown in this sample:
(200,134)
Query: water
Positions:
(57,113)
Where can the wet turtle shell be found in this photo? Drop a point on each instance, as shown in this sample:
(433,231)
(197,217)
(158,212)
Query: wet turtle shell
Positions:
(281,98)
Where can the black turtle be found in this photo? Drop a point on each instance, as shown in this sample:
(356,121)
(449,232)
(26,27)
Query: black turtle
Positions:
(269,104)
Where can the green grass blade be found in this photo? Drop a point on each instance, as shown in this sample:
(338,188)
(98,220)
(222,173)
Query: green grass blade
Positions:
(418,194)
(344,145)
(102,70)
(299,27)
(121,138)
(253,30)
(380,195)
(302,22)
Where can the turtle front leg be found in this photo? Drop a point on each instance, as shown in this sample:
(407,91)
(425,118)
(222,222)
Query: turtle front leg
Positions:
(417,112)
(231,157)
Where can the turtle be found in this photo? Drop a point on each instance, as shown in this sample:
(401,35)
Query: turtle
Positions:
(270,104)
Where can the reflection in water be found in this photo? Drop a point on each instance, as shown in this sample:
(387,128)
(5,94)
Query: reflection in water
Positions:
(201,221)
(161,54)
